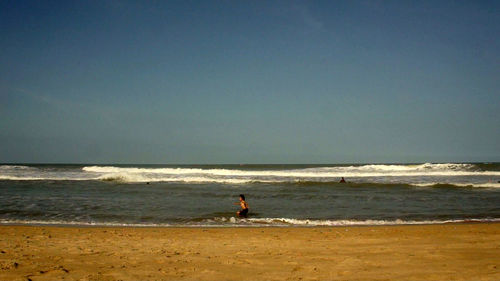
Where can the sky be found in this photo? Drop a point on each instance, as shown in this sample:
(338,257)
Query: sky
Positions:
(184,82)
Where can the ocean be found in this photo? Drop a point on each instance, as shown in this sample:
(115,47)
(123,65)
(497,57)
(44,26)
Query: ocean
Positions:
(278,195)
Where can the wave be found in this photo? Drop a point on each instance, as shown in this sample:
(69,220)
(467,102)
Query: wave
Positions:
(479,185)
(16,168)
(253,222)
(78,223)
(43,178)
(421,175)
(413,175)
(124,178)
(311,222)
(428,169)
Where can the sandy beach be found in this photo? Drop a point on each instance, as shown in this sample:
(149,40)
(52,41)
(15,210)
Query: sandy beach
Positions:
(425,252)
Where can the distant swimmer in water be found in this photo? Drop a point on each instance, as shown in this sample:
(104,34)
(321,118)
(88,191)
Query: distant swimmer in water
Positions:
(244,207)
(342,180)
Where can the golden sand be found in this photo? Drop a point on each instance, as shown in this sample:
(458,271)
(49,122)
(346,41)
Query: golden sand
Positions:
(425,252)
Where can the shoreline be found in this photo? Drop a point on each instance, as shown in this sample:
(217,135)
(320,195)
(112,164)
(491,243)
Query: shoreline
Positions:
(236,226)
(460,251)
(279,223)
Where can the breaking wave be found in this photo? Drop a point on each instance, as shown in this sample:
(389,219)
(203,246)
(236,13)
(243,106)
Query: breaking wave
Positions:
(316,172)
(311,222)
(252,222)
(422,175)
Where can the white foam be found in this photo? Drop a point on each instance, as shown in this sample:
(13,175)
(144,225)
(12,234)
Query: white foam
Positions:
(251,222)
(321,172)
(77,223)
(311,222)
(378,173)
(461,184)
(420,175)
(124,177)
(15,167)
(488,184)
(45,178)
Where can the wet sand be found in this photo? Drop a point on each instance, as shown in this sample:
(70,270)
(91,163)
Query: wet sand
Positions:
(427,252)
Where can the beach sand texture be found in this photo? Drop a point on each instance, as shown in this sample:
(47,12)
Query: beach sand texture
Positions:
(424,252)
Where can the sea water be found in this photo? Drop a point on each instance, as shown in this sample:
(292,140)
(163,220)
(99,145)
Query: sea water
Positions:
(278,195)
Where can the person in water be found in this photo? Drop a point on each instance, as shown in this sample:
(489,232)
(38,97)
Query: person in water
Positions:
(342,180)
(244,207)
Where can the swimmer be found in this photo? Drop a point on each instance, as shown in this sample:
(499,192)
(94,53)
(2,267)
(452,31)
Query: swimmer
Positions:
(244,207)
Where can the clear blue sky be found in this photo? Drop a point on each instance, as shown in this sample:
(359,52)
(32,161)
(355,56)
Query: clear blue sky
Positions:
(249,81)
